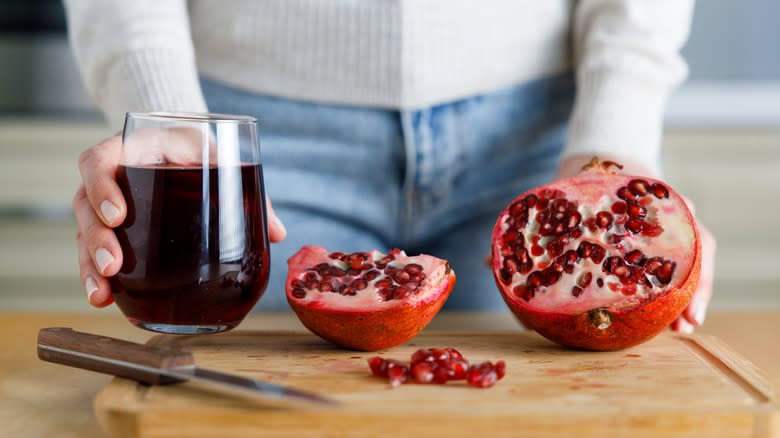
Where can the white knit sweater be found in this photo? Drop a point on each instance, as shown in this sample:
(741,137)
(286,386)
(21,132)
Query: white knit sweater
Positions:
(401,54)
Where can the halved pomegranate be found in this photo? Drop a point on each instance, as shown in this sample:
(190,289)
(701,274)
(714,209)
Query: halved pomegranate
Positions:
(366,300)
(599,261)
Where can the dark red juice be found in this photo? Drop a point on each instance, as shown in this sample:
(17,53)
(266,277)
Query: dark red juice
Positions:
(194,243)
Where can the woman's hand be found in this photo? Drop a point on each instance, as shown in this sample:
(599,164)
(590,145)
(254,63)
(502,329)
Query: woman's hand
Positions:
(696,311)
(99,206)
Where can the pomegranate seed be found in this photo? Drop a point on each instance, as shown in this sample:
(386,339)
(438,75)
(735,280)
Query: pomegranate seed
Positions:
(635,225)
(371,275)
(591,224)
(638,187)
(559,228)
(576,233)
(659,191)
(537,250)
(584,250)
(500,369)
(298,293)
(612,263)
(506,276)
(636,211)
(652,230)
(573,220)
(518,208)
(378,366)
(634,257)
(555,248)
(653,264)
(620,271)
(530,200)
(336,255)
(613,286)
(510,264)
(664,273)
(576,291)
(387,293)
(618,207)
(625,194)
(604,219)
(422,372)
(453,352)
(397,375)
(522,255)
(402,277)
(600,282)
(360,284)
(312,284)
(551,277)
(534,280)
(597,253)
(482,376)
(522,291)
(585,280)
(413,268)
(298,284)
(325,286)
(629,289)
(309,276)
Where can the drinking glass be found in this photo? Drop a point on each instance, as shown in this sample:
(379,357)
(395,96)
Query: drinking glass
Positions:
(195,241)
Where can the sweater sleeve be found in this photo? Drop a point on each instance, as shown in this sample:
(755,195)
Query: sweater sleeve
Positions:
(627,60)
(135,55)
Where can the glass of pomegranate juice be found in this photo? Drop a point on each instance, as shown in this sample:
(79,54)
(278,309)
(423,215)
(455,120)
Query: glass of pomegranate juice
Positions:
(194,242)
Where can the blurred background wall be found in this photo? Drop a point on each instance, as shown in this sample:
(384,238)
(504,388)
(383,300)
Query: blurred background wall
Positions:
(721,148)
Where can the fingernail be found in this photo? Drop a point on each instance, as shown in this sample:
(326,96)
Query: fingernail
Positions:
(110,212)
(686,327)
(103,258)
(700,314)
(91,286)
(279,224)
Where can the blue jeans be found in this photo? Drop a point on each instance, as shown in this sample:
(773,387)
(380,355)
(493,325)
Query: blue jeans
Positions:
(431,180)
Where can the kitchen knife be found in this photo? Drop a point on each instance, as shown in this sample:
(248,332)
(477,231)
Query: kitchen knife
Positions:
(159,366)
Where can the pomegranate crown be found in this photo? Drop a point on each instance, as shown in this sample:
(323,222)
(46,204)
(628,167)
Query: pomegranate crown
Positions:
(606,166)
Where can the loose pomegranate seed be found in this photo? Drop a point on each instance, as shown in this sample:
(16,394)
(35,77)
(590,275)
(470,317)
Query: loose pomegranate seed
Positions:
(422,372)
(378,366)
(397,375)
(500,369)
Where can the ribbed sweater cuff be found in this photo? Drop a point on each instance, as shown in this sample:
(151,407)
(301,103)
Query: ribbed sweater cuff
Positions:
(620,116)
(150,80)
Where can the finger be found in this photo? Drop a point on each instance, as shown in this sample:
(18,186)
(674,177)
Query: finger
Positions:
(276,230)
(697,309)
(681,325)
(97,287)
(98,166)
(99,241)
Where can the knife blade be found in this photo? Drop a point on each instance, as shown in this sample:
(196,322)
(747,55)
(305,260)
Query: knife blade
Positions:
(159,366)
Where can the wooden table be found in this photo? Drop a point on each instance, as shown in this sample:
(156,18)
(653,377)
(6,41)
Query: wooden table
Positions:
(39,399)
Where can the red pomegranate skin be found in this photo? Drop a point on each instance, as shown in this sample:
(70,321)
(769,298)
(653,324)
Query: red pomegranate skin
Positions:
(370,328)
(630,323)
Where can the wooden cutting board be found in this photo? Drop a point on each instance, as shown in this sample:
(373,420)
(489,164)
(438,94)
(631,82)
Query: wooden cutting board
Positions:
(673,385)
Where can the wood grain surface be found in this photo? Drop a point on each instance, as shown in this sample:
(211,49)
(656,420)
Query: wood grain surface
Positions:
(39,399)
(671,386)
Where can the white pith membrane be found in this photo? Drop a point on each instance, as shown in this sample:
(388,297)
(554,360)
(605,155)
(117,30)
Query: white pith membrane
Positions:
(434,269)
(676,243)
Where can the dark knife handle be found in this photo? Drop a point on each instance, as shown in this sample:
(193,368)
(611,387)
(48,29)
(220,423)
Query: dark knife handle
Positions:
(109,355)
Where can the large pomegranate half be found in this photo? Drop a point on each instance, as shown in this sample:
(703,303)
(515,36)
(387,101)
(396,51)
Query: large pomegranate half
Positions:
(366,300)
(599,261)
